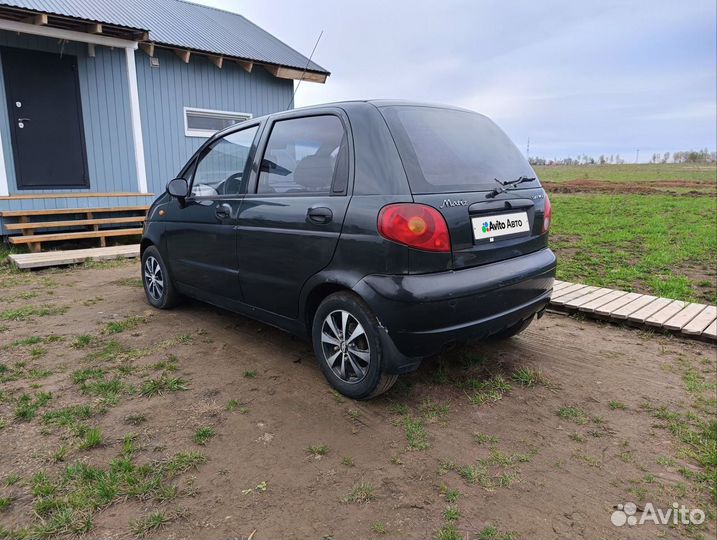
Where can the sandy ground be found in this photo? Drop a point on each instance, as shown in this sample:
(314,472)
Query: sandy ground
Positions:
(540,474)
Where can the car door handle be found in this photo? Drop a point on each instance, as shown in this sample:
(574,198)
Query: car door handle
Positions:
(320,215)
(223,211)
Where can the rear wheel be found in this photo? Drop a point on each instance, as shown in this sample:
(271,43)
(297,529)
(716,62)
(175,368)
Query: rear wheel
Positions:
(348,347)
(158,286)
(513,330)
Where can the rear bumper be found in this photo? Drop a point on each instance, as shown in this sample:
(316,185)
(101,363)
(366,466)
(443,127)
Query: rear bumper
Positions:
(422,314)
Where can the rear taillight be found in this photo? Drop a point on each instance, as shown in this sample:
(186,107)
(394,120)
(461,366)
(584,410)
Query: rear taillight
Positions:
(547,214)
(414,225)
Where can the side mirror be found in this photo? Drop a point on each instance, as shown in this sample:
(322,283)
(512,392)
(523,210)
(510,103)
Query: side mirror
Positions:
(178,188)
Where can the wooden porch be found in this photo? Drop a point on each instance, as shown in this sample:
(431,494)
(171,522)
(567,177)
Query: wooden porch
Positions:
(35,228)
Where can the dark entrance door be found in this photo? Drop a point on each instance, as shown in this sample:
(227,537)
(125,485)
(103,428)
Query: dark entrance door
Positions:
(43,100)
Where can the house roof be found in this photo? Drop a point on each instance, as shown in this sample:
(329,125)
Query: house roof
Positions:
(178,23)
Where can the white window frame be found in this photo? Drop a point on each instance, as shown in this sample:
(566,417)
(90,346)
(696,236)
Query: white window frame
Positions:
(206,133)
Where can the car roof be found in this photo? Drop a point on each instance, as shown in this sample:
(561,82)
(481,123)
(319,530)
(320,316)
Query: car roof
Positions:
(377,103)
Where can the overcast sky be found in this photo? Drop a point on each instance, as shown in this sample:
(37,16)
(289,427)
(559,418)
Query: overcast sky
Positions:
(573,76)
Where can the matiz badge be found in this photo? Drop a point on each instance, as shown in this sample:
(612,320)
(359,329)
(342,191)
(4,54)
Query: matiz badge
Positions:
(451,204)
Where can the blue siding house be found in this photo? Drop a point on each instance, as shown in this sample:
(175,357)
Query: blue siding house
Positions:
(102,101)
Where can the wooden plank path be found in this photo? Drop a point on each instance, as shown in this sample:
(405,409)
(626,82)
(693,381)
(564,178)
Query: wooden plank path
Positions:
(683,318)
(73,256)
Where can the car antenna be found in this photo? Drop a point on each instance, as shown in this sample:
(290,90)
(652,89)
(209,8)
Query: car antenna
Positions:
(291,101)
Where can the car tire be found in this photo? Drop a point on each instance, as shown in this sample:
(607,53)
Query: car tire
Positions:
(348,347)
(514,330)
(158,287)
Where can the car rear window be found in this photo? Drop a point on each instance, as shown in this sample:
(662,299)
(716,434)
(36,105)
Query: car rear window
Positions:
(448,150)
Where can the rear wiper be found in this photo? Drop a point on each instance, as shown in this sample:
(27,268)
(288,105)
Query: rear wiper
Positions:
(508,185)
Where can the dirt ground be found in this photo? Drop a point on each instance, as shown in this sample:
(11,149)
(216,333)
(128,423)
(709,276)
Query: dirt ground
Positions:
(688,188)
(540,436)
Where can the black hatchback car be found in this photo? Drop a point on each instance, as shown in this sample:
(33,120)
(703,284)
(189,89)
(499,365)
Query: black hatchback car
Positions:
(384,231)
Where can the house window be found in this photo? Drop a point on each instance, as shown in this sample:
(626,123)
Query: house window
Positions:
(206,122)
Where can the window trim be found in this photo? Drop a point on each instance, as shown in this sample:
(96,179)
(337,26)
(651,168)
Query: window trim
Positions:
(252,190)
(205,133)
(209,146)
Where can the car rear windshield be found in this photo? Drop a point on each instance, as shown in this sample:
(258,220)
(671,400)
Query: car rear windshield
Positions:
(448,150)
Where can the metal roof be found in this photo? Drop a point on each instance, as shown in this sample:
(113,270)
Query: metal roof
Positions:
(181,24)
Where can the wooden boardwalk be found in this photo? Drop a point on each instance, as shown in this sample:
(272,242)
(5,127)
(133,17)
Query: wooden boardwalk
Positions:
(73,256)
(690,320)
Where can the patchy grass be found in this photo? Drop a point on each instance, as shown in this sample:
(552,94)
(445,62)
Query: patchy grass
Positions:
(80,342)
(361,493)
(698,438)
(250,374)
(490,532)
(203,435)
(573,414)
(169,364)
(27,313)
(92,439)
(68,416)
(24,342)
(232,405)
(163,384)
(661,245)
(432,410)
(416,433)
(616,405)
(130,323)
(448,532)
(530,377)
(27,406)
(482,438)
(451,513)
(318,450)
(147,524)
(486,391)
(451,495)
(378,527)
(347,461)
(65,505)
(12,479)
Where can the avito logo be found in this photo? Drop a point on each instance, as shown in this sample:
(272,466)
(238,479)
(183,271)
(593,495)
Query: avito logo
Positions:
(501,225)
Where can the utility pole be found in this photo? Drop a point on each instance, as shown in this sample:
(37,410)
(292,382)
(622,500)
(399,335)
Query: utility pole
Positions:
(637,155)
(527,150)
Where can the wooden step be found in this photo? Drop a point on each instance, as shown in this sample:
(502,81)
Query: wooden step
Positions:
(21,213)
(34,239)
(72,223)
(72,256)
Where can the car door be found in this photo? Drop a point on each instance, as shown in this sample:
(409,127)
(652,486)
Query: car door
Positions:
(201,237)
(290,222)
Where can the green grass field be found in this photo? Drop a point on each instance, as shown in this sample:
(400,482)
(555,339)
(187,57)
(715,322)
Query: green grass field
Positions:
(691,172)
(659,244)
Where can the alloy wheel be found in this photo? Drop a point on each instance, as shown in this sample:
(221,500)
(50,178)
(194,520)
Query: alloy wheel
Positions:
(153,278)
(345,346)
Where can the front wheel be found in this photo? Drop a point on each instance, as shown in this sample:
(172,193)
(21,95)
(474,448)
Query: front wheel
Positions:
(158,286)
(348,347)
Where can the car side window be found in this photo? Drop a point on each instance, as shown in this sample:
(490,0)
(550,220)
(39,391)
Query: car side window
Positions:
(223,167)
(305,156)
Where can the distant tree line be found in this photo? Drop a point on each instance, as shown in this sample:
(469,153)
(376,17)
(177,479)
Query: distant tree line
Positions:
(686,156)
